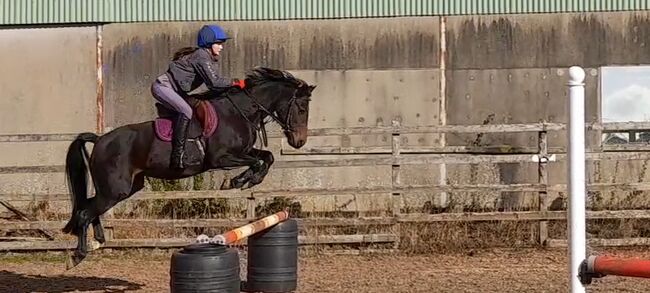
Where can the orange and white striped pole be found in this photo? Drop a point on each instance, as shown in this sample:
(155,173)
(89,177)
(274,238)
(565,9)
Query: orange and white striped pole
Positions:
(600,266)
(242,232)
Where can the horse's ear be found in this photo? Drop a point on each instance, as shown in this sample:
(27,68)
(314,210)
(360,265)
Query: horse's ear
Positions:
(311,88)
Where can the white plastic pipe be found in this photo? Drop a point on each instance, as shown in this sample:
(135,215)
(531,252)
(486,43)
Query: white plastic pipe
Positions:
(576,172)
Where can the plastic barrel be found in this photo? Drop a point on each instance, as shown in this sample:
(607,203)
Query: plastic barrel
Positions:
(273,259)
(205,268)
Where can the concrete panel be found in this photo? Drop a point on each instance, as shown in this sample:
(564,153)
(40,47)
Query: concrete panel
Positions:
(346,203)
(548,40)
(369,98)
(34,153)
(331,177)
(498,96)
(33,183)
(48,80)
(136,53)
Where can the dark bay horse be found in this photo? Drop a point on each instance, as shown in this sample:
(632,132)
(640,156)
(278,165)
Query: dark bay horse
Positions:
(122,158)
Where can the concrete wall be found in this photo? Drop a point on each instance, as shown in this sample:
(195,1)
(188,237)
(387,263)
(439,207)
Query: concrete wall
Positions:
(48,85)
(369,72)
(512,69)
(137,53)
(498,69)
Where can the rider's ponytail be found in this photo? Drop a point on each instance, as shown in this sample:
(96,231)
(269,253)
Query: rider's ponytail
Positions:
(183,51)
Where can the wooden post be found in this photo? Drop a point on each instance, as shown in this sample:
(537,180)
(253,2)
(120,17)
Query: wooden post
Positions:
(631,136)
(396,181)
(543,180)
(442,105)
(250,209)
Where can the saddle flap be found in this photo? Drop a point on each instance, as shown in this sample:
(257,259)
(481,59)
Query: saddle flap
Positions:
(204,121)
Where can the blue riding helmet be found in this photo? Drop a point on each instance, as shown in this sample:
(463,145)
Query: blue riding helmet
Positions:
(210,34)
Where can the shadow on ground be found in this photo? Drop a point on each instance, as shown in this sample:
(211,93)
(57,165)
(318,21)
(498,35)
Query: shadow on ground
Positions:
(19,283)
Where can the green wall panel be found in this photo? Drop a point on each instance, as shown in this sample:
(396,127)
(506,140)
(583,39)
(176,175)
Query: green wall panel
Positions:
(97,11)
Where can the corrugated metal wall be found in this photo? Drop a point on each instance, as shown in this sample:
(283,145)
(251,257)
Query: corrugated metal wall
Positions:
(76,11)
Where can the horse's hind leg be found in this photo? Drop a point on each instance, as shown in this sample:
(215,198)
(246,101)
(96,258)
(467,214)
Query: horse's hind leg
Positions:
(81,229)
(98,231)
(112,186)
(137,185)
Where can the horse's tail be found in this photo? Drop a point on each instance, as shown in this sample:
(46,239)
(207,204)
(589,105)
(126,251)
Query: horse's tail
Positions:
(77,177)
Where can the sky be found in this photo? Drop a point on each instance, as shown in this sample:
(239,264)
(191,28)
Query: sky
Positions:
(626,93)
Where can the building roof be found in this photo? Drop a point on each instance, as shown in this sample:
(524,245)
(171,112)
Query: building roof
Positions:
(26,12)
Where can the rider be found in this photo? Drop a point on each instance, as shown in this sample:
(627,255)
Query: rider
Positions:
(190,68)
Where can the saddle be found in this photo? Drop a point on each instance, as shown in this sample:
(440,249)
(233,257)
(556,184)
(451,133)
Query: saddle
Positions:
(203,124)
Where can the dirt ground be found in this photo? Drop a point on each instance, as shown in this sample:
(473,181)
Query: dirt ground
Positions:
(478,271)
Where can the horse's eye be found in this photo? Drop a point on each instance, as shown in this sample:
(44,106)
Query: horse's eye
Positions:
(301,111)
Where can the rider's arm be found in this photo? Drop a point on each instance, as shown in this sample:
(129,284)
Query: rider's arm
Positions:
(206,68)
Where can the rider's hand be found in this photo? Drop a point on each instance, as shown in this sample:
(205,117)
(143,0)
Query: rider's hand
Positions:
(240,83)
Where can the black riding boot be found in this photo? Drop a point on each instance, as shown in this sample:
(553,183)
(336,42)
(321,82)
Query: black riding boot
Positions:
(178,141)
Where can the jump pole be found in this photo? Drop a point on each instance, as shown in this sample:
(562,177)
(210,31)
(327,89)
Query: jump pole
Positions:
(242,232)
(600,266)
(576,170)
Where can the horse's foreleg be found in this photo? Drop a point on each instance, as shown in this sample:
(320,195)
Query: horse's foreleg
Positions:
(260,170)
(230,161)
(254,166)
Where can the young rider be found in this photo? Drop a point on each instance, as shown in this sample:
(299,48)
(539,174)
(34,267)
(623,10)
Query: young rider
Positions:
(190,68)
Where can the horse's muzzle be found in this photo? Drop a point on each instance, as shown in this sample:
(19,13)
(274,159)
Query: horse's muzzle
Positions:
(297,138)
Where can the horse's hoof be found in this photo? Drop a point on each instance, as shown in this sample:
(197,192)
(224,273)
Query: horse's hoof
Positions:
(256,180)
(225,185)
(94,245)
(99,236)
(74,260)
(101,240)
(238,183)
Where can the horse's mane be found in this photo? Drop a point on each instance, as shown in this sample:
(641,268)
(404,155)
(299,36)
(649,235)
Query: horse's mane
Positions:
(260,75)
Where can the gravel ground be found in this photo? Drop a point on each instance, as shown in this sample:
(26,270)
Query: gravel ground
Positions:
(479,271)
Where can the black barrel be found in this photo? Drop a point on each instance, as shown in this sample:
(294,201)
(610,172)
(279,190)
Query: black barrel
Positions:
(205,268)
(273,259)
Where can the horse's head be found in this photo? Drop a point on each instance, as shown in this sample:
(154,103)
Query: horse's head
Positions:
(289,96)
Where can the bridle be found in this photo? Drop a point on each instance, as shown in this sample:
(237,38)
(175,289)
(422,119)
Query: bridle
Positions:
(285,125)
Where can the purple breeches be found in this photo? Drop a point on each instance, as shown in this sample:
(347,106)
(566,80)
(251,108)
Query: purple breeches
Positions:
(164,92)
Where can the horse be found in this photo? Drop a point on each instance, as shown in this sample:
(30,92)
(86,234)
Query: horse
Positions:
(121,158)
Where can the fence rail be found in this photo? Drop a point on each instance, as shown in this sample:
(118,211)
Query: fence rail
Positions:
(394,156)
(333,222)
(488,128)
(309,192)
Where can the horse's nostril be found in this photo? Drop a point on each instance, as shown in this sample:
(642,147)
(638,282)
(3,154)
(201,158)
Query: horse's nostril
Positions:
(301,142)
